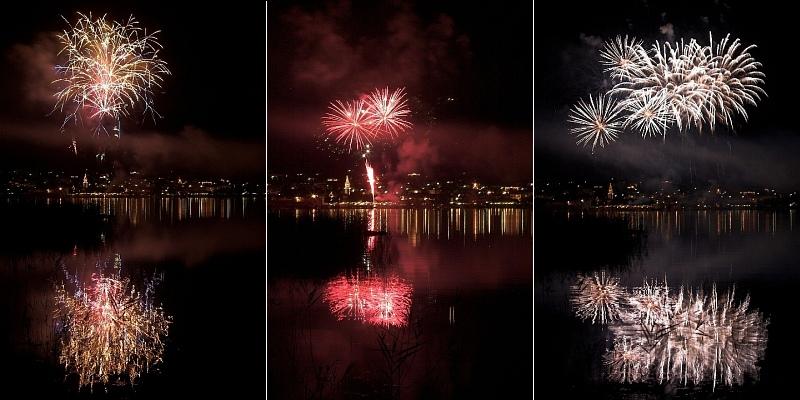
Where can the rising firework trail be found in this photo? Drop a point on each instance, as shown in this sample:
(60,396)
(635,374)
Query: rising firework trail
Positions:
(370,179)
(111,70)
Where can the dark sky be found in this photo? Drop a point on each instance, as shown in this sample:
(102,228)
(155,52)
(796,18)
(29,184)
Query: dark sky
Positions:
(761,152)
(477,54)
(212,104)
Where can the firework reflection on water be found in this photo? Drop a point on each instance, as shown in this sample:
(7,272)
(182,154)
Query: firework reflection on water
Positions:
(683,336)
(371,299)
(109,330)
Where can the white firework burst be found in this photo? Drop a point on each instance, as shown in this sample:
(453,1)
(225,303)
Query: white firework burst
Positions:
(621,57)
(598,121)
(703,85)
(649,113)
(736,81)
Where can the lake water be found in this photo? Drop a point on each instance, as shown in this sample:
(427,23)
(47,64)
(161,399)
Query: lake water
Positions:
(753,251)
(399,303)
(206,256)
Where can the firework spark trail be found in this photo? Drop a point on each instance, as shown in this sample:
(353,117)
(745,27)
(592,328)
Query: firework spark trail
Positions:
(597,122)
(109,329)
(682,336)
(373,300)
(111,69)
(683,84)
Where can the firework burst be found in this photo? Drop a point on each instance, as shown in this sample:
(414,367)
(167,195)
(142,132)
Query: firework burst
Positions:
(111,70)
(621,57)
(379,116)
(348,122)
(682,84)
(598,121)
(387,112)
(649,113)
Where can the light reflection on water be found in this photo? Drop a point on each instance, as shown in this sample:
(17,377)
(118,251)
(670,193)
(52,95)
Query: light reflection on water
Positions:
(193,242)
(416,223)
(750,251)
(161,209)
(666,334)
(710,222)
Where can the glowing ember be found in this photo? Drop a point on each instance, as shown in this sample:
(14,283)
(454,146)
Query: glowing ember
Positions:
(109,330)
(373,300)
(111,69)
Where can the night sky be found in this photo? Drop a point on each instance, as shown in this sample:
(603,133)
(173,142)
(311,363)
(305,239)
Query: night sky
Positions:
(761,152)
(478,55)
(212,104)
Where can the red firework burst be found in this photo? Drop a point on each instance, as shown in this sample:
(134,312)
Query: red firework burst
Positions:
(387,112)
(348,122)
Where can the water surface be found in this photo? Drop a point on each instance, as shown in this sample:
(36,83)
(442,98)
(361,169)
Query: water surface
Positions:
(399,303)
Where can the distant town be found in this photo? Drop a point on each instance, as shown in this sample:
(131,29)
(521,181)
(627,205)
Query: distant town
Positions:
(130,183)
(413,189)
(664,195)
